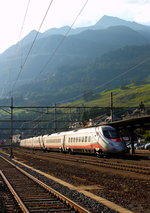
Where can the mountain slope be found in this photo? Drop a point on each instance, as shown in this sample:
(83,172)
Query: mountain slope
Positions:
(61,67)
(103,23)
(56,51)
(115,69)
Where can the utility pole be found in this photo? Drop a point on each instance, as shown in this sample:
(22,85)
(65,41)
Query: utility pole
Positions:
(132,141)
(11,129)
(111,107)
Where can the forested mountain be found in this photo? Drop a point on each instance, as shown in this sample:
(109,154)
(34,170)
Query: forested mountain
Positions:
(115,69)
(61,66)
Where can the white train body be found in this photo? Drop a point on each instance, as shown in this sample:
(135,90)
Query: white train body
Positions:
(102,139)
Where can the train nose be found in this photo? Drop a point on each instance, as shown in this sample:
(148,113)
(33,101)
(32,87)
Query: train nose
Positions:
(117,147)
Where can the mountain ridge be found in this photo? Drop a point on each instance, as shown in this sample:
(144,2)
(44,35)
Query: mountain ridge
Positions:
(103,23)
(63,59)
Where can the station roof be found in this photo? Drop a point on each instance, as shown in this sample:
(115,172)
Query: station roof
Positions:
(133,123)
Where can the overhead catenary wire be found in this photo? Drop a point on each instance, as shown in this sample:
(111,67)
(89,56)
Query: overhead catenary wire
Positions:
(26,58)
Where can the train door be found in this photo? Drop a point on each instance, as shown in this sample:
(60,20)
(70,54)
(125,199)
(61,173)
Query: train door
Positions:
(43,145)
(63,144)
(41,142)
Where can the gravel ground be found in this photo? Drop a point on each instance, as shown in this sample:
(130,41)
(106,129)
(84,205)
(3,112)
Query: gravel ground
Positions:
(126,189)
(86,202)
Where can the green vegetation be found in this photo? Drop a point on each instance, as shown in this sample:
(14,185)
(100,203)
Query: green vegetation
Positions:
(130,96)
(87,67)
(147,136)
(127,68)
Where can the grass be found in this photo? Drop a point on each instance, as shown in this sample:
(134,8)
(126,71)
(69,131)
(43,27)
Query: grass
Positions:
(131,96)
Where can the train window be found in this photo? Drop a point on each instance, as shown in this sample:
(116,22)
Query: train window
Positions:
(89,139)
(74,139)
(109,133)
(85,138)
(79,139)
(69,140)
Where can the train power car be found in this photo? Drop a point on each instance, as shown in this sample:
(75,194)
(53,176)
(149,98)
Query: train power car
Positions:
(100,140)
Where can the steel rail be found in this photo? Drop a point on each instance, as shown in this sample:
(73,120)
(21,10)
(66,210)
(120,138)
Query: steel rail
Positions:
(101,163)
(77,207)
(15,195)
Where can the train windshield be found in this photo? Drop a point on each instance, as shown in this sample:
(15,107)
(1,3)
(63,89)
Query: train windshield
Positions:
(110,133)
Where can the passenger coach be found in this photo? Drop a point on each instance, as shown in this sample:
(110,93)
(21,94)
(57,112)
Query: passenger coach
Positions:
(99,140)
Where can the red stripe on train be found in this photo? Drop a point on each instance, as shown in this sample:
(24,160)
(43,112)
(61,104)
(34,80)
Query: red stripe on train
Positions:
(115,139)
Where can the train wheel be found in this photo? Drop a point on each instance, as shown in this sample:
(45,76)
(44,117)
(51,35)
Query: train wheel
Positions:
(100,153)
(70,151)
(61,150)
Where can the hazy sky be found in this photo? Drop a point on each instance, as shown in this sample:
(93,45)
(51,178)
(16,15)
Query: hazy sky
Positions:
(63,12)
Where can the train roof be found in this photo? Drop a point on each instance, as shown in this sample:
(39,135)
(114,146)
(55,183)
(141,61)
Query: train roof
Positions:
(72,132)
(83,130)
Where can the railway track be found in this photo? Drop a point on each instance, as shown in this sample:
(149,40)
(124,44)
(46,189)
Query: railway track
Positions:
(116,165)
(33,195)
(100,162)
(113,164)
(121,192)
(7,202)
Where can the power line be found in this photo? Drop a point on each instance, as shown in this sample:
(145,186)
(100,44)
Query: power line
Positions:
(24,19)
(102,85)
(22,26)
(61,41)
(22,66)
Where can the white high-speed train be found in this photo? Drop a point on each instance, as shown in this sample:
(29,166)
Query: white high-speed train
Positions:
(99,140)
